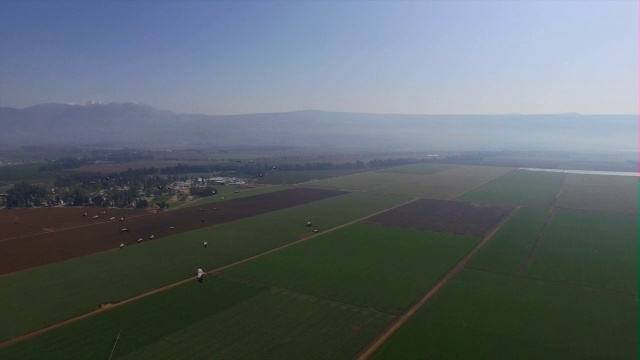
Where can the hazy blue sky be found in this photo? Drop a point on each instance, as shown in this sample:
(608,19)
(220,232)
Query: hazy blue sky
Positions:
(220,57)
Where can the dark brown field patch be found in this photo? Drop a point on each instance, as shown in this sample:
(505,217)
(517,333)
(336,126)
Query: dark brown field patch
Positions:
(24,222)
(445,216)
(54,246)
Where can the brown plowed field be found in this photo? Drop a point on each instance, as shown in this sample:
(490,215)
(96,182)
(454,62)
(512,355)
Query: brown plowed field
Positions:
(446,216)
(23,222)
(30,251)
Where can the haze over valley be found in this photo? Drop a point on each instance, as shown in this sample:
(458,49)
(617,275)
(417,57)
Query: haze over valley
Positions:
(344,180)
(139,126)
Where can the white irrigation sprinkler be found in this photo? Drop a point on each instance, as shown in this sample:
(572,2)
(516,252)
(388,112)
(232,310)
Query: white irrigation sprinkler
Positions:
(114,344)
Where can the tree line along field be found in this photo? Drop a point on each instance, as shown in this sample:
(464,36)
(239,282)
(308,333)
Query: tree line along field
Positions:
(26,172)
(552,282)
(135,165)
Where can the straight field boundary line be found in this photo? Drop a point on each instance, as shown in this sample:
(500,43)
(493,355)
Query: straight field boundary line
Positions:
(359,173)
(182,282)
(308,238)
(477,186)
(552,210)
(373,189)
(401,320)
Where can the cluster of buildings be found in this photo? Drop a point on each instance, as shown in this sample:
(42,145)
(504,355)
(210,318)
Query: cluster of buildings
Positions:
(204,181)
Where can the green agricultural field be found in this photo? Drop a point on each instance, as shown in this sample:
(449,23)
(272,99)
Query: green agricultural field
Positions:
(431,181)
(600,193)
(490,316)
(77,286)
(510,246)
(420,169)
(444,184)
(367,265)
(274,325)
(219,319)
(365,181)
(519,187)
(591,249)
(229,192)
(295,177)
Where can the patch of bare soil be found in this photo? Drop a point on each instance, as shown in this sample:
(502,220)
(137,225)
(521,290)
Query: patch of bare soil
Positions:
(446,216)
(54,246)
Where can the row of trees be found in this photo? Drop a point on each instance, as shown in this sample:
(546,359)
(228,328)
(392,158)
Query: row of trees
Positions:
(132,187)
(117,157)
(253,169)
(24,194)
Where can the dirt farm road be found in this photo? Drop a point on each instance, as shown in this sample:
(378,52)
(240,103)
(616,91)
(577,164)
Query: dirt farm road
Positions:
(395,325)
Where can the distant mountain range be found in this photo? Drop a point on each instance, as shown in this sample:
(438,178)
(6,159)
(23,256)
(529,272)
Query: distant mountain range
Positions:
(141,126)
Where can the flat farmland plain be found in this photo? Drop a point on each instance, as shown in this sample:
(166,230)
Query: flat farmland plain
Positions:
(600,193)
(444,184)
(77,286)
(46,248)
(141,164)
(335,293)
(294,177)
(365,181)
(23,222)
(591,249)
(229,193)
(429,180)
(510,246)
(481,315)
(445,216)
(274,325)
(519,187)
(367,265)
(220,319)
(420,169)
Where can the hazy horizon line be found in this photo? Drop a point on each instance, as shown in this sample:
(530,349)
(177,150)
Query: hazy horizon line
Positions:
(99,103)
